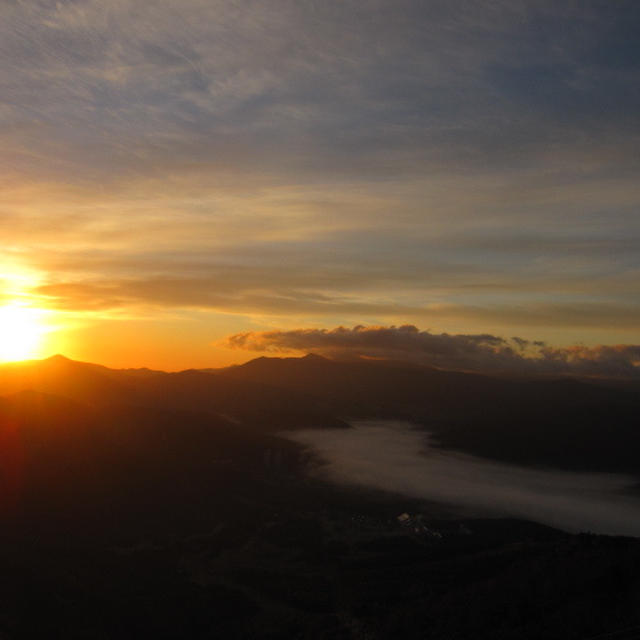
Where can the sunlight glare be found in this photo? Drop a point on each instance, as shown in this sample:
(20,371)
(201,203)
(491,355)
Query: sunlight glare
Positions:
(21,332)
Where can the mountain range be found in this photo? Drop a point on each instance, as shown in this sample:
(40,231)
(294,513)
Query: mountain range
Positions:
(143,502)
(559,422)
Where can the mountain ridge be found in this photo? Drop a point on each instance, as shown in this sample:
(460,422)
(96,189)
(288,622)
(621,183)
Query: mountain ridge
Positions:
(561,423)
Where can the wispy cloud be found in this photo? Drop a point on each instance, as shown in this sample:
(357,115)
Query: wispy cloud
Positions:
(381,160)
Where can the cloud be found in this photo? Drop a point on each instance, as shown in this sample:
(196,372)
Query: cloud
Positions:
(363,161)
(307,292)
(482,352)
(360,88)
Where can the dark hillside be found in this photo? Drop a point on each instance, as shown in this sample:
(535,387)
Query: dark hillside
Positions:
(117,521)
(560,422)
(261,405)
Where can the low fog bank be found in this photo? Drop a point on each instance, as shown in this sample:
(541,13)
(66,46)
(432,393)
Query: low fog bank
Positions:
(395,456)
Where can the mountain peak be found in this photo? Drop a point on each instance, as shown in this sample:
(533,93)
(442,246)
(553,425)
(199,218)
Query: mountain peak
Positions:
(58,357)
(314,357)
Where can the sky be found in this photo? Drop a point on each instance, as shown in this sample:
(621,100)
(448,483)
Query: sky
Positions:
(177,173)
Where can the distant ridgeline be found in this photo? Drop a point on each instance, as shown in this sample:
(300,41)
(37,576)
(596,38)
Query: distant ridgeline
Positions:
(558,422)
(167,502)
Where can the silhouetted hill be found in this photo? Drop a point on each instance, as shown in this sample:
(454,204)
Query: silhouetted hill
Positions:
(131,506)
(62,461)
(362,388)
(58,375)
(559,422)
(263,406)
(370,386)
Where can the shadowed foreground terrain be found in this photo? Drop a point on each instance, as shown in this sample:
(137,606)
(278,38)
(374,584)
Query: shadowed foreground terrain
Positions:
(139,502)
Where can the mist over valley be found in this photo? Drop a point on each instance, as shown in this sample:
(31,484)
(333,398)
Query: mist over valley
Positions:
(296,497)
(398,457)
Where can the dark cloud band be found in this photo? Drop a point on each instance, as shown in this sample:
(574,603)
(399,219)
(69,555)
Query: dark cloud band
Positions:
(483,352)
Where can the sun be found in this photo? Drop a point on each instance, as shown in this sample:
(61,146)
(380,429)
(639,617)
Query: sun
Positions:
(21,332)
